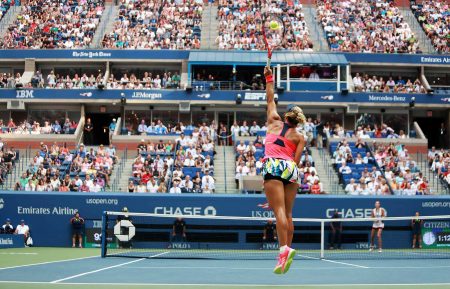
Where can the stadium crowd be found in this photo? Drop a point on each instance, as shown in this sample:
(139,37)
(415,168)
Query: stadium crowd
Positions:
(8,158)
(9,80)
(147,81)
(240,25)
(183,166)
(401,171)
(434,17)
(379,84)
(34,127)
(56,168)
(439,162)
(4,7)
(57,81)
(369,26)
(151,24)
(50,24)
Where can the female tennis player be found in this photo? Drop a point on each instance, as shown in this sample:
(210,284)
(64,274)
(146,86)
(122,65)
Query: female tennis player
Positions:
(284,147)
(378,226)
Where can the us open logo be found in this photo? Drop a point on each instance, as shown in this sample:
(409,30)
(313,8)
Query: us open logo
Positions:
(2,204)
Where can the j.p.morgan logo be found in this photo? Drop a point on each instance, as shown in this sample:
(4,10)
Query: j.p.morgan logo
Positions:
(2,204)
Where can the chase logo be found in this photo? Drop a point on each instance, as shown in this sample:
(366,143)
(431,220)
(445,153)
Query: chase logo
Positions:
(210,211)
(2,204)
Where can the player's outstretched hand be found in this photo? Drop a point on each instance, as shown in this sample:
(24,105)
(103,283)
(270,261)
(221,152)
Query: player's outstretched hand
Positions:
(267,71)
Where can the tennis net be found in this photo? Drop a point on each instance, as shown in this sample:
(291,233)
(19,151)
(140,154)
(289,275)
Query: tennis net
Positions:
(143,235)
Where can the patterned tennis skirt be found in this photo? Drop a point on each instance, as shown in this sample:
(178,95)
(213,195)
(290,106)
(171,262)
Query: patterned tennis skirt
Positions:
(278,168)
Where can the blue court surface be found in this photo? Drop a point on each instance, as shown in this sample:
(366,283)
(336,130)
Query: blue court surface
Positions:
(120,272)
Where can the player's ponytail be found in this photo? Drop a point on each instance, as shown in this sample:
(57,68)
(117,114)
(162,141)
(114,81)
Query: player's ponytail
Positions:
(295,116)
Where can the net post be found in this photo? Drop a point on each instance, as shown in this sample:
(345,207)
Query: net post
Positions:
(322,239)
(104,223)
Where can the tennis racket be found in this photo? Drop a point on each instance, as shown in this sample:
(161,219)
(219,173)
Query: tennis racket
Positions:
(273,31)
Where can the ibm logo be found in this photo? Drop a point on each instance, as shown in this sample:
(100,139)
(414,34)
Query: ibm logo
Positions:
(2,204)
(24,94)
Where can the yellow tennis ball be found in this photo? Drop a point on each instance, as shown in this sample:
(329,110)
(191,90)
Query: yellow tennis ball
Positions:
(274,25)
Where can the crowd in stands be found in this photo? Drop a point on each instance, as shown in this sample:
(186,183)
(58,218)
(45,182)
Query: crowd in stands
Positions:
(357,170)
(56,168)
(434,18)
(402,172)
(439,163)
(152,24)
(147,81)
(34,127)
(57,81)
(368,26)
(4,7)
(360,169)
(240,24)
(379,84)
(183,166)
(64,24)
(9,80)
(8,158)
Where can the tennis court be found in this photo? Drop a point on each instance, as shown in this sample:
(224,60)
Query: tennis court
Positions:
(83,268)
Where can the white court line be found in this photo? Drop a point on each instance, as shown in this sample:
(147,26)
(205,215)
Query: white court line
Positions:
(335,262)
(299,268)
(235,268)
(231,285)
(17,253)
(95,271)
(103,269)
(44,263)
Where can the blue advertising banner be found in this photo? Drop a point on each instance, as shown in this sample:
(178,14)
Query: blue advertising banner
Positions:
(48,214)
(11,241)
(253,57)
(95,54)
(214,95)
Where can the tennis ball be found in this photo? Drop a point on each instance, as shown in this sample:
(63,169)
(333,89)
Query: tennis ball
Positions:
(274,25)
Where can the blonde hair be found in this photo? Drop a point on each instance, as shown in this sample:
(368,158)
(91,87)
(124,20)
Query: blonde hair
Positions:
(295,116)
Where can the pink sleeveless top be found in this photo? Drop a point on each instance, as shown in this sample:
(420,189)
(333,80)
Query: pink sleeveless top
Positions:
(279,147)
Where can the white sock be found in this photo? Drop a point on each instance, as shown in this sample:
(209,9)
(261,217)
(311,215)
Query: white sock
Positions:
(283,248)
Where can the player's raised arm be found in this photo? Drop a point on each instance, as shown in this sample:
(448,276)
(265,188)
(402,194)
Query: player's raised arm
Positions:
(272,114)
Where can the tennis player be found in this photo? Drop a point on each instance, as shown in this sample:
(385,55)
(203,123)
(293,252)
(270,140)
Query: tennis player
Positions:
(284,147)
(378,212)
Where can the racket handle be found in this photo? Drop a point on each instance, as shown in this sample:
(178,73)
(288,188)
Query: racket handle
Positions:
(269,60)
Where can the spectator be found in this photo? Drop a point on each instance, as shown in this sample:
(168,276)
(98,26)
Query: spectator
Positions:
(23,229)
(88,132)
(112,128)
(7,228)
(77,223)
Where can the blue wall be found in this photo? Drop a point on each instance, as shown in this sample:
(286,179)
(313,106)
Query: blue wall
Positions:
(48,214)
(214,96)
